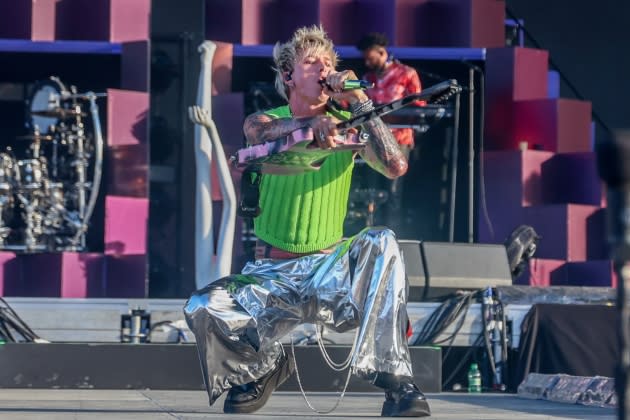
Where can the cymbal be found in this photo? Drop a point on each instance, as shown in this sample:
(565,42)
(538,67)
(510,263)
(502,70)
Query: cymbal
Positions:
(35,137)
(61,113)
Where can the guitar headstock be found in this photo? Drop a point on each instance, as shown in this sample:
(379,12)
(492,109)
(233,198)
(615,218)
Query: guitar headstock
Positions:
(447,90)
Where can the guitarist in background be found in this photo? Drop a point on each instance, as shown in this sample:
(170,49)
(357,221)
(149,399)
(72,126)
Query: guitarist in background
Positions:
(392,80)
(304,272)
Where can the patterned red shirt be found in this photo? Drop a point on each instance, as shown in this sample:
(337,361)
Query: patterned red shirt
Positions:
(397,81)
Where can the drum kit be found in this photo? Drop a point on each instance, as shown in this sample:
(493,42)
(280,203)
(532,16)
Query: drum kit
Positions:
(46,197)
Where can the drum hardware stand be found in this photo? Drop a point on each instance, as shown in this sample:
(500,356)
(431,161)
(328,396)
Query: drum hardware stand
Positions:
(54,161)
(85,211)
(6,189)
(33,221)
(36,145)
(4,230)
(80,163)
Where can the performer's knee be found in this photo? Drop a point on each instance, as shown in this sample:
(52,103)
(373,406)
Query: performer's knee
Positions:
(203,298)
(219,292)
(381,232)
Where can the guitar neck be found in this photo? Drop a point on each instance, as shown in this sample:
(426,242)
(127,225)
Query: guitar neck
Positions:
(432,94)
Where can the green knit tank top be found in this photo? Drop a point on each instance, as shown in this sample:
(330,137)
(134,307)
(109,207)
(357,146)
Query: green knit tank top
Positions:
(305,213)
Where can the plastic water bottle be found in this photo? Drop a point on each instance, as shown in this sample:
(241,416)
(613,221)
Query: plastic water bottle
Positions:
(474,379)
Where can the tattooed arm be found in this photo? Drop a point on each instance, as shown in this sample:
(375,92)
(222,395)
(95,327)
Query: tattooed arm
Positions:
(382,152)
(259,128)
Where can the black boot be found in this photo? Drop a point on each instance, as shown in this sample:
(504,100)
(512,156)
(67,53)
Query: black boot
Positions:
(402,397)
(254,395)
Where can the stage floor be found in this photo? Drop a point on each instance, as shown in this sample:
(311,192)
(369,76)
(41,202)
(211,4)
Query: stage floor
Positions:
(25,404)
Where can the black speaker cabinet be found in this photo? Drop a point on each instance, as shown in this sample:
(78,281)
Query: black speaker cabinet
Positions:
(438,269)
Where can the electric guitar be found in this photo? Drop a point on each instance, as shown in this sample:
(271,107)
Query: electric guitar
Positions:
(299,153)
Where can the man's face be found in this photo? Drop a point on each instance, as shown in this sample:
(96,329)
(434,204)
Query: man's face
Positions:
(375,58)
(307,73)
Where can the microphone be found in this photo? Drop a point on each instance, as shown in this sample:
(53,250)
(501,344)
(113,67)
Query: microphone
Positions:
(351,84)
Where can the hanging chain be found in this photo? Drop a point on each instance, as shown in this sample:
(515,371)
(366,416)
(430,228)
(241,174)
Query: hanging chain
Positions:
(338,367)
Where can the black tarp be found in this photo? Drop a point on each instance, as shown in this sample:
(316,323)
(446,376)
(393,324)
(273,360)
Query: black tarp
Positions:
(580,340)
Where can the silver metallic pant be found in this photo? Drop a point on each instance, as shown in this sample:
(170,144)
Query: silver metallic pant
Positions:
(238,320)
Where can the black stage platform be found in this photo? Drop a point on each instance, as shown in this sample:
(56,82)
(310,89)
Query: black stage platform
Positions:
(172,366)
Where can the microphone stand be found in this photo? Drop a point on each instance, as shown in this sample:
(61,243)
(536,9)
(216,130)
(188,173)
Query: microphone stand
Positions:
(454,158)
(471,153)
(472,69)
(454,155)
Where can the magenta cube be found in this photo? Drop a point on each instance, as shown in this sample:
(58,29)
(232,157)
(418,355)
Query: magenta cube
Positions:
(338,18)
(412,23)
(252,22)
(503,221)
(563,228)
(403,21)
(380,16)
(515,177)
(127,113)
(129,20)
(103,20)
(572,178)
(586,273)
(135,66)
(538,272)
(516,74)
(126,225)
(486,28)
(126,276)
(127,170)
(66,274)
(512,180)
(11,273)
(512,74)
(28,19)
(224,20)
(247,22)
(556,125)
(472,23)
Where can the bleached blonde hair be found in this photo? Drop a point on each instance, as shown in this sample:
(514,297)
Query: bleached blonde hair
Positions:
(308,40)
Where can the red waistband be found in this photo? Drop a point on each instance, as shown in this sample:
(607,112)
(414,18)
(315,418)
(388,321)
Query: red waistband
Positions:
(265,250)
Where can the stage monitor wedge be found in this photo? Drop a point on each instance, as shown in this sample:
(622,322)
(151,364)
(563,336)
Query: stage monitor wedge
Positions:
(438,269)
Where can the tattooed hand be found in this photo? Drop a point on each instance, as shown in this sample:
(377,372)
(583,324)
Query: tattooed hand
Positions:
(325,130)
(334,83)
(383,153)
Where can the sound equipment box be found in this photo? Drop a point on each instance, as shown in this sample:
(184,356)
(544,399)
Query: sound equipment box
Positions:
(438,269)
